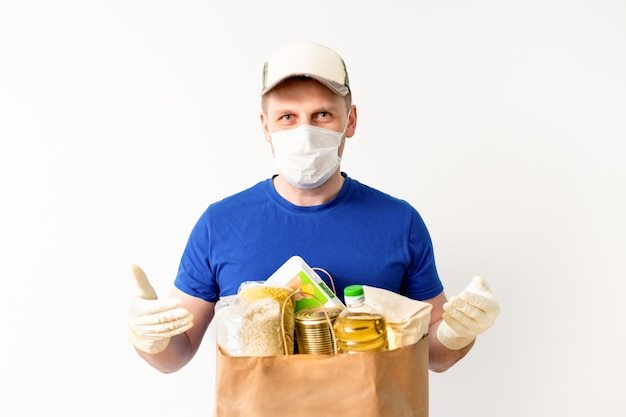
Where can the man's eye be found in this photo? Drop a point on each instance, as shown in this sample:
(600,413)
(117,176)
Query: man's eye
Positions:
(287,117)
(323,115)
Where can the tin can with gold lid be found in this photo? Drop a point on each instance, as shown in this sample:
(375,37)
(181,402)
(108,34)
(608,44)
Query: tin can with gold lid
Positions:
(314,333)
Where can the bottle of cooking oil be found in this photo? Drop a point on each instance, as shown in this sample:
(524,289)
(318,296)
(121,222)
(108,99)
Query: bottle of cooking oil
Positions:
(359,327)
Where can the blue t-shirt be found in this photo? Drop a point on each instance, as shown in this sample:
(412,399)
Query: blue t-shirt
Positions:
(363,236)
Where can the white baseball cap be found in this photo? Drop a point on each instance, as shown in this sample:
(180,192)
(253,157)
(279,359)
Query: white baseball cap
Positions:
(306,59)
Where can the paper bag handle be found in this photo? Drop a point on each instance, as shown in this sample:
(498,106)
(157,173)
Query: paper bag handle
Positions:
(330,278)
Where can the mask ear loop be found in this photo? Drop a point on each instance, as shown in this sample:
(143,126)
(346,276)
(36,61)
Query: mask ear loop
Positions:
(343,132)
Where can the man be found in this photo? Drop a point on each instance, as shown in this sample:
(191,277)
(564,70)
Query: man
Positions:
(311,209)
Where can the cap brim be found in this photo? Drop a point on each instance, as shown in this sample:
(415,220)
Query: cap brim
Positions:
(336,87)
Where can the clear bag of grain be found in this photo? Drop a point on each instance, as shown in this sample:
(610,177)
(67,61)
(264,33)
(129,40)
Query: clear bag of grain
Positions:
(251,329)
(260,329)
(252,291)
(228,321)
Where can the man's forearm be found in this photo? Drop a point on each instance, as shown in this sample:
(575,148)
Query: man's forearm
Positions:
(177,354)
(441,358)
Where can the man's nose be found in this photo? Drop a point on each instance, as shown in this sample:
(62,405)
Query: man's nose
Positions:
(305,119)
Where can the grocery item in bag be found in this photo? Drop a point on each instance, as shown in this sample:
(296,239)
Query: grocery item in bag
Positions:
(407,319)
(250,329)
(359,327)
(295,269)
(249,323)
(252,291)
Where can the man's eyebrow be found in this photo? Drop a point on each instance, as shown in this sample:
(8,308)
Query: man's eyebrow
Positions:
(332,108)
(282,110)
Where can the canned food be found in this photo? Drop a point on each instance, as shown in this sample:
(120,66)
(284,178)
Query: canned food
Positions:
(314,334)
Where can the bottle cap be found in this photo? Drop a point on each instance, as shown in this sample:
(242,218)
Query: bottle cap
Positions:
(353,291)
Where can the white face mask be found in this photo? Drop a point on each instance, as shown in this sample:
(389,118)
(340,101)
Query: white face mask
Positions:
(307,156)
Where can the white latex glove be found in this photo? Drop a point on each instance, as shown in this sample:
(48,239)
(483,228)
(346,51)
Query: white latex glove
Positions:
(153,322)
(467,315)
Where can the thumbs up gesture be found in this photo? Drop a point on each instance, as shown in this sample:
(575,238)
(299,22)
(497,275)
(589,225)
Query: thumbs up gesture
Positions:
(153,322)
(467,315)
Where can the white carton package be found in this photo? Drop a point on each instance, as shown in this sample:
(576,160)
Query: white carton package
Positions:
(296,268)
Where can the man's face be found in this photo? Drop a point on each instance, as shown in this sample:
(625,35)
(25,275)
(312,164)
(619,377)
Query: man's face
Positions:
(305,101)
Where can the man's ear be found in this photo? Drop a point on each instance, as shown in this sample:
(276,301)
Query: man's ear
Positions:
(351,128)
(266,130)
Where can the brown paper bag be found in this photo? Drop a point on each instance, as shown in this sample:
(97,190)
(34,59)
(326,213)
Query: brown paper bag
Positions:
(391,383)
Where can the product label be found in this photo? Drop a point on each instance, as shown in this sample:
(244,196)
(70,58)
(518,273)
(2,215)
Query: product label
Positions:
(295,273)
(318,289)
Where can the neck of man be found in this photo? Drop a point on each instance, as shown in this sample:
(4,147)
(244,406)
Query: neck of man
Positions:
(309,197)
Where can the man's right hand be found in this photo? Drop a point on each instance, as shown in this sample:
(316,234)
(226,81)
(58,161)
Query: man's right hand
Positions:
(153,322)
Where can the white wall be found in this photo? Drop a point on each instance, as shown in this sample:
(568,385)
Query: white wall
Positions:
(502,122)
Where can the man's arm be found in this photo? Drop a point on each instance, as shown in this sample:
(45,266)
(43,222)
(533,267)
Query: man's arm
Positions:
(183,347)
(166,332)
(440,357)
(455,324)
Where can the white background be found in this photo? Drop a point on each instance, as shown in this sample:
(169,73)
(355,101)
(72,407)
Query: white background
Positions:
(502,122)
